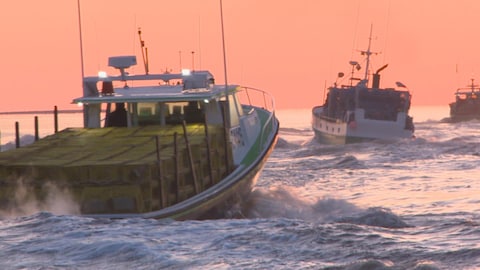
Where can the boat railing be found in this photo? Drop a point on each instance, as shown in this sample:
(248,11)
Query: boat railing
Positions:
(260,98)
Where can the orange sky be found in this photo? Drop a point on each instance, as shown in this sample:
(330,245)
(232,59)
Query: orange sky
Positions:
(289,48)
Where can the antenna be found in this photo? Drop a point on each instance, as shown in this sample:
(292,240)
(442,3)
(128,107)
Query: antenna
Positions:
(226,112)
(144,51)
(180,59)
(81,39)
(368,53)
(473,85)
(193,60)
(386,31)
(199,45)
(224,53)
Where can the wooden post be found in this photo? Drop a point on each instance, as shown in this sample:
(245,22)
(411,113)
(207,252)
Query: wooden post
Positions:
(209,152)
(55,118)
(107,115)
(190,158)
(225,137)
(17,135)
(36,128)
(160,175)
(175,156)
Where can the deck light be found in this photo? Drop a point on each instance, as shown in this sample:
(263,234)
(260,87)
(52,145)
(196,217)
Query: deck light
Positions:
(186,72)
(102,74)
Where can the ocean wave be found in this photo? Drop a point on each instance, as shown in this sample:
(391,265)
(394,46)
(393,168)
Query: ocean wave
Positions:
(345,161)
(296,131)
(348,162)
(284,144)
(375,216)
(283,203)
(24,140)
(373,264)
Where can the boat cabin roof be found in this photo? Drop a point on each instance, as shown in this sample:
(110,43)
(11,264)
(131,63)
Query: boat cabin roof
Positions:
(384,91)
(166,87)
(162,93)
(464,92)
(471,91)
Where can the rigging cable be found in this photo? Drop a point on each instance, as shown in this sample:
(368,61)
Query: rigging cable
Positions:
(386,31)
(355,30)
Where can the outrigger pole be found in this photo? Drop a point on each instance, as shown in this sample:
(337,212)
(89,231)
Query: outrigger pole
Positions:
(144,51)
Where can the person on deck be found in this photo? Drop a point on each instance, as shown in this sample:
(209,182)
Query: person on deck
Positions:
(118,118)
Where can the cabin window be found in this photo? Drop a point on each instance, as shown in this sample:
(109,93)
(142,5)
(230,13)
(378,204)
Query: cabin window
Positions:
(174,113)
(148,113)
(238,106)
(152,113)
(193,112)
(170,113)
(177,112)
(235,110)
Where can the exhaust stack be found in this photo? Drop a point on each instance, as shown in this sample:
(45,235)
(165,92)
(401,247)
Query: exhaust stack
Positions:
(376,77)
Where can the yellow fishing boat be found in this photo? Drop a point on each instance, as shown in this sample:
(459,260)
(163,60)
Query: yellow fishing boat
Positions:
(153,145)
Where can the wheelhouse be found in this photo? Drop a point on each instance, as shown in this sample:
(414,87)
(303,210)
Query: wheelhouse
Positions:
(190,96)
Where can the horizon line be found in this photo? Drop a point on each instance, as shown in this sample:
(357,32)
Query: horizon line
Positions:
(41,111)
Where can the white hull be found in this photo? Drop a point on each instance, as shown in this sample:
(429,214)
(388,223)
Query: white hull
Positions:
(338,131)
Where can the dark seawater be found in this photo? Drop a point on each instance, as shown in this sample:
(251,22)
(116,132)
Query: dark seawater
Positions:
(408,204)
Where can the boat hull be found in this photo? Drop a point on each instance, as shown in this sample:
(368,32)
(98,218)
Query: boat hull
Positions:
(463,118)
(225,200)
(460,112)
(337,131)
(327,138)
(117,173)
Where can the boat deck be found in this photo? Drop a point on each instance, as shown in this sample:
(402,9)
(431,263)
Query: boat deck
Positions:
(118,170)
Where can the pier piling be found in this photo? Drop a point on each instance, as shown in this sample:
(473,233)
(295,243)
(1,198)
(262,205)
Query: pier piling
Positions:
(36,128)
(55,118)
(17,134)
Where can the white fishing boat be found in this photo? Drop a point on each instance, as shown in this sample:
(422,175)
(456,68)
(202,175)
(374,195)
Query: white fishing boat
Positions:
(357,112)
(164,145)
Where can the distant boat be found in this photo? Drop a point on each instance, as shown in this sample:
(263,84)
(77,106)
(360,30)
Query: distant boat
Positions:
(356,112)
(467,104)
(175,146)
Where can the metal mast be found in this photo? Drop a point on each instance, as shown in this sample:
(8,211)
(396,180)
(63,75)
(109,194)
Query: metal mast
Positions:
(368,53)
